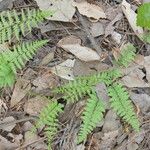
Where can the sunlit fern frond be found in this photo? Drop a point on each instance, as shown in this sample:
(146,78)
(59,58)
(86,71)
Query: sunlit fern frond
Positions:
(14,59)
(92,114)
(13,22)
(49,118)
(120,102)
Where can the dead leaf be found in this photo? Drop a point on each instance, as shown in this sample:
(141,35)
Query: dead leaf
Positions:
(87,68)
(46,80)
(74,46)
(97,29)
(116,37)
(22,87)
(147,67)
(47,58)
(131,16)
(10,127)
(63,9)
(142,100)
(65,69)
(34,105)
(135,79)
(90,10)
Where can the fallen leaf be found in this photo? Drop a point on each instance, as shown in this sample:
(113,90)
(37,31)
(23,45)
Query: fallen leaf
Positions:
(46,80)
(142,100)
(34,105)
(135,79)
(90,10)
(22,87)
(47,58)
(65,69)
(63,9)
(147,67)
(81,52)
(97,29)
(131,16)
(10,127)
(116,37)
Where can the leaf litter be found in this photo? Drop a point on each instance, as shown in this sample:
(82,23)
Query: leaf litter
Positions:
(72,54)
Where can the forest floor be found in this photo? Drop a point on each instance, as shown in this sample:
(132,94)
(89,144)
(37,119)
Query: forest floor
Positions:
(101,27)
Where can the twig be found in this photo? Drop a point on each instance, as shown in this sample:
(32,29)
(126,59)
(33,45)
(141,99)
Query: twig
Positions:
(89,35)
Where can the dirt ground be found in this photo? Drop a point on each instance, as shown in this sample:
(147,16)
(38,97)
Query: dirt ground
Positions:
(53,66)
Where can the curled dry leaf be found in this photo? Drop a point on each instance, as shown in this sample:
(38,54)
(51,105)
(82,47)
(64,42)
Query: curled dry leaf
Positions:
(131,16)
(75,47)
(90,10)
(63,9)
(65,69)
(22,87)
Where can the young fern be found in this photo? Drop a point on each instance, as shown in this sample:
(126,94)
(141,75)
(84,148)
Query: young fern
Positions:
(119,99)
(14,59)
(48,118)
(92,114)
(127,55)
(12,23)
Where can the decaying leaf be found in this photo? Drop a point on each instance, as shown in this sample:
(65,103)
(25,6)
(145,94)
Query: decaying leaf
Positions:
(65,69)
(135,79)
(63,9)
(81,52)
(90,10)
(147,67)
(131,16)
(34,105)
(22,87)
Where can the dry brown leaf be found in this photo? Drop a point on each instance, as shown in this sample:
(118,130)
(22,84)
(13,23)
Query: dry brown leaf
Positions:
(22,87)
(63,9)
(74,46)
(34,105)
(135,79)
(90,10)
(97,29)
(131,16)
(147,67)
(65,69)
(47,58)
(46,80)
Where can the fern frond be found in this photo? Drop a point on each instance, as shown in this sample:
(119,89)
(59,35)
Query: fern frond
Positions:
(127,55)
(14,59)
(12,23)
(119,99)
(48,118)
(92,114)
(74,90)
(143,16)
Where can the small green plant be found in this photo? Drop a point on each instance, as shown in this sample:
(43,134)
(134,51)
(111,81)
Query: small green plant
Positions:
(13,23)
(94,107)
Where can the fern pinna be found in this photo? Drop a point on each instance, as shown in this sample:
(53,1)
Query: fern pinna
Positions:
(14,59)
(48,118)
(92,114)
(13,23)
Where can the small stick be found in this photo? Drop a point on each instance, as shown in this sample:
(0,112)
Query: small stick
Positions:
(89,35)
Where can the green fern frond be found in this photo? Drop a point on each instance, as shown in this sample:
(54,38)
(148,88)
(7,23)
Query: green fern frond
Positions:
(48,118)
(14,59)
(119,99)
(12,23)
(92,114)
(74,90)
(127,55)
(143,16)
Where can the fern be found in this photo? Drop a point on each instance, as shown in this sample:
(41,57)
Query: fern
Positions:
(127,55)
(76,89)
(14,59)
(12,23)
(143,17)
(48,118)
(92,114)
(122,105)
